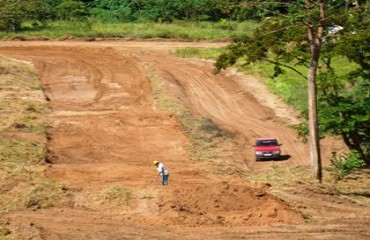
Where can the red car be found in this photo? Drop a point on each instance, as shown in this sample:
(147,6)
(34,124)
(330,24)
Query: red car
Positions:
(267,148)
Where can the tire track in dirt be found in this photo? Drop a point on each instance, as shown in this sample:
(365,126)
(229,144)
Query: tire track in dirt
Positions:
(104,128)
(230,105)
(86,82)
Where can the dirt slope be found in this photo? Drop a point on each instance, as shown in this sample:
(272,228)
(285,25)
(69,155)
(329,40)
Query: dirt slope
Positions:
(106,130)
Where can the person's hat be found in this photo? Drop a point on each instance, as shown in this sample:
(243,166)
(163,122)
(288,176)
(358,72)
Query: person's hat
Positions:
(155,162)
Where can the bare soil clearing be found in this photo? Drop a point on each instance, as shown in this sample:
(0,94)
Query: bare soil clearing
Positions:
(106,130)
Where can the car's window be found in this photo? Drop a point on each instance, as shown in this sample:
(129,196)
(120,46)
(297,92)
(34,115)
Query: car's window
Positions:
(267,143)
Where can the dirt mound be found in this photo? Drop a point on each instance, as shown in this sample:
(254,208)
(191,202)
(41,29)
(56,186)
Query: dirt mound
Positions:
(227,204)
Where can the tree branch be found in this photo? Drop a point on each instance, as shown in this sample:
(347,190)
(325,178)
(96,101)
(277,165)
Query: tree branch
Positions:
(287,66)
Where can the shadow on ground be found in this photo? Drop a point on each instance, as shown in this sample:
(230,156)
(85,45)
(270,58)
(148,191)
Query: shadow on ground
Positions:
(281,158)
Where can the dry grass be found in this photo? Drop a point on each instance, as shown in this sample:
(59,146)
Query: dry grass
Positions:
(117,196)
(17,76)
(6,234)
(354,187)
(23,111)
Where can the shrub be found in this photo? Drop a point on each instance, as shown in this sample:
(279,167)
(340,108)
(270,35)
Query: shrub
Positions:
(344,164)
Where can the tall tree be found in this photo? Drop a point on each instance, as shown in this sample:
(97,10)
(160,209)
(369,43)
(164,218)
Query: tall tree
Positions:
(315,33)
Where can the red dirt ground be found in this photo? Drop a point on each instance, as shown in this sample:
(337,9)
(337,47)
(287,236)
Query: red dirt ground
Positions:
(106,130)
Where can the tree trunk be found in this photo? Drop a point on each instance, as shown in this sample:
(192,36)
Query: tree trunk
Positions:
(314,37)
(314,142)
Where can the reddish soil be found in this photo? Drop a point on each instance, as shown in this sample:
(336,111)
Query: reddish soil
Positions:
(106,131)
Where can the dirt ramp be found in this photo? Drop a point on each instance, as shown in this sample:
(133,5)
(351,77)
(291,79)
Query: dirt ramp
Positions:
(227,204)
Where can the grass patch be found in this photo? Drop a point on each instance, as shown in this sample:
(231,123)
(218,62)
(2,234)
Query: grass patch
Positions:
(176,30)
(6,234)
(204,53)
(21,109)
(4,231)
(39,194)
(22,141)
(15,76)
(22,115)
(284,176)
(355,187)
(21,151)
(290,86)
(17,173)
(117,196)
(45,194)
(112,197)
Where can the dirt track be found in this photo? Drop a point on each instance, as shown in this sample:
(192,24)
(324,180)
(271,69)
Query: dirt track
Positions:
(106,131)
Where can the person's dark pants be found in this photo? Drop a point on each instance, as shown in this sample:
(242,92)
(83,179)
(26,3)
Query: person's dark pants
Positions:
(165,180)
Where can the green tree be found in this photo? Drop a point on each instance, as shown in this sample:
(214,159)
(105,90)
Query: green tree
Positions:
(71,9)
(41,11)
(113,10)
(344,106)
(305,35)
(12,14)
(165,10)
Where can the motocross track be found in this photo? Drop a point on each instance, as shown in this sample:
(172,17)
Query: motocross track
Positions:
(106,130)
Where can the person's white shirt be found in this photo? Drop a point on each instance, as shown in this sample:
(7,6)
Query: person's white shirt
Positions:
(162,169)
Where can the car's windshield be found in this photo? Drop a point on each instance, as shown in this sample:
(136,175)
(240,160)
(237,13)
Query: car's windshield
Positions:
(267,143)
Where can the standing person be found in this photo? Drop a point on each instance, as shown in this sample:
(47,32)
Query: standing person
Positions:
(163,171)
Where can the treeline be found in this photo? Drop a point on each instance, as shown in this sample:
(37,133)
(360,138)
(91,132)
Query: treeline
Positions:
(40,12)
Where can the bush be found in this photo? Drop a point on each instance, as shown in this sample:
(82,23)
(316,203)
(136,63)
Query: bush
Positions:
(344,164)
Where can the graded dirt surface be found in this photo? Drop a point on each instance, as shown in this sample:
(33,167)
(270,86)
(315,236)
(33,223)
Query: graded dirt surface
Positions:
(106,129)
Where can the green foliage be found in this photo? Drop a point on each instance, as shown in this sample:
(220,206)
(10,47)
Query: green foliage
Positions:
(38,14)
(71,10)
(177,29)
(168,11)
(345,111)
(344,164)
(343,94)
(15,12)
(112,10)
(12,13)
(344,99)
